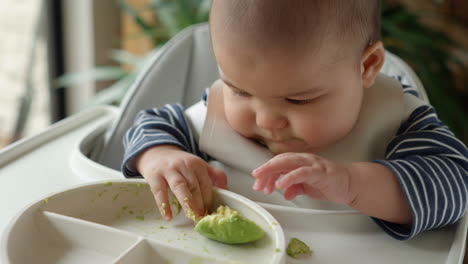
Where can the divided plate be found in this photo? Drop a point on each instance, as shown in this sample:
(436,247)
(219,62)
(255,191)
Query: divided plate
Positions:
(118,222)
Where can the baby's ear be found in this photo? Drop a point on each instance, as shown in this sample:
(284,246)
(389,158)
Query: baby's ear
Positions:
(371,62)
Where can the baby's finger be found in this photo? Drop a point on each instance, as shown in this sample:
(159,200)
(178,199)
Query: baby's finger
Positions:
(305,175)
(206,188)
(180,189)
(260,183)
(265,182)
(293,191)
(270,185)
(159,189)
(280,164)
(218,177)
(193,183)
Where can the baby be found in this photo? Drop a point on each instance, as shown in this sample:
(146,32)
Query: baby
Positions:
(293,76)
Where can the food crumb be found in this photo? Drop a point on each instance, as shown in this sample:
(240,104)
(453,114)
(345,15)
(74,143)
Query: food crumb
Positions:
(205,249)
(196,260)
(140,217)
(296,248)
(108,183)
(162,227)
(176,205)
(163,209)
(190,213)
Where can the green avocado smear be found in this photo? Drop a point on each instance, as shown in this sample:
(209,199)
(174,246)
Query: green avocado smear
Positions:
(228,226)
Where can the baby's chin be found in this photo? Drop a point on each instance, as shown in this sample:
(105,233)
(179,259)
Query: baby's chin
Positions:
(294,146)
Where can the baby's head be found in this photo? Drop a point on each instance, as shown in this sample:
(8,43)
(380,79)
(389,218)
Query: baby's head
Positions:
(294,72)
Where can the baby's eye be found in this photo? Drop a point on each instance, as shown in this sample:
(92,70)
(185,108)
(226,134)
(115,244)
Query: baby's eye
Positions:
(298,102)
(240,93)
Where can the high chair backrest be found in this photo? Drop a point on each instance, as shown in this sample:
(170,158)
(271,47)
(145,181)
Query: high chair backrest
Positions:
(179,72)
(176,73)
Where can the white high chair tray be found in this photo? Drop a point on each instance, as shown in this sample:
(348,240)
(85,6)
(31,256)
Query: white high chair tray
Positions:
(52,162)
(354,238)
(117,222)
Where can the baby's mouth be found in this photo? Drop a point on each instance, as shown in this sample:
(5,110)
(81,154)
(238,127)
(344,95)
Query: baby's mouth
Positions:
(269,143)
(260,142)
(266,141)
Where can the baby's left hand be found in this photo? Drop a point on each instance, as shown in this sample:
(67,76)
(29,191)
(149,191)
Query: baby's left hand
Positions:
(305,173)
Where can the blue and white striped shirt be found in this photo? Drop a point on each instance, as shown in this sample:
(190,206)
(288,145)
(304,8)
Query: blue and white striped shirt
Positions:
(429,162)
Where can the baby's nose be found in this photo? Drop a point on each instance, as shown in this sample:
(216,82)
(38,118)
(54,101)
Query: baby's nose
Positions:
(270,120)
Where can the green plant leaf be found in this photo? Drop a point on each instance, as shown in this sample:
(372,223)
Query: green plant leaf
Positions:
(114,93)
(102,73)
(168,18)
(124,57)
(136,18)
(203,10)
(186,11)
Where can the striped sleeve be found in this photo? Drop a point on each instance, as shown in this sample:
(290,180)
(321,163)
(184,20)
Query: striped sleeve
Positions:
(431,166)
(153,127)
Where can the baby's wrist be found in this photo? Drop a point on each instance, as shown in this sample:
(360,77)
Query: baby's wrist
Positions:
(163,148)
(354,182)
(352,192)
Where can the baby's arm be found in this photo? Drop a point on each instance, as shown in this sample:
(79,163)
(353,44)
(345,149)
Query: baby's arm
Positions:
(161,148)
(155,127)
(368,187)
(426,172)
(431,165)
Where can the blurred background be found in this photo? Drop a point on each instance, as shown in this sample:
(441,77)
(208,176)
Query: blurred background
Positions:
(58,57)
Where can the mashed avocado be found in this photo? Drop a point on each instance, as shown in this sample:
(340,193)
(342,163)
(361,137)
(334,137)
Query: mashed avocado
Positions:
(189,212)
(296,248)
(228,226)
(176,205)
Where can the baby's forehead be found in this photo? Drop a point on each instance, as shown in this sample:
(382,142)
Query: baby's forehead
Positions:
(326,51)
(296,24)
(263,23)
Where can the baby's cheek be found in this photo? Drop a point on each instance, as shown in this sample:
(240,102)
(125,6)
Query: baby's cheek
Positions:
(306,127)
(315,132)
(324,132)
(238,118)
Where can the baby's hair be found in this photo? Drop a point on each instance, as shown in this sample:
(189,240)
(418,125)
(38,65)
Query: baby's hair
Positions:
(296,23)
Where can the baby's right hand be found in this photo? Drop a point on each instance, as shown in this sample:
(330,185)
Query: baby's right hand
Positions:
(189,177)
